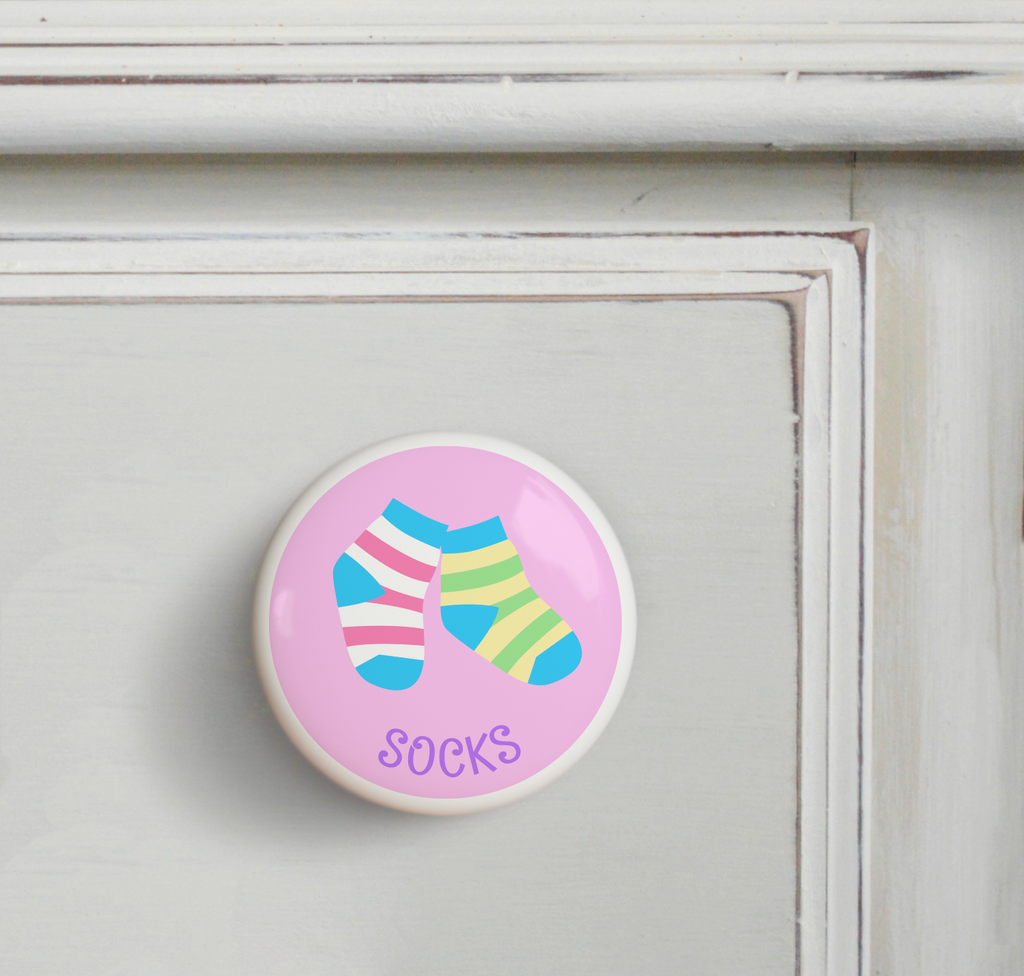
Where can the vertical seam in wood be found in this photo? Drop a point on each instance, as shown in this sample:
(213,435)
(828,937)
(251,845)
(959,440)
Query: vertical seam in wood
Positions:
(853,186)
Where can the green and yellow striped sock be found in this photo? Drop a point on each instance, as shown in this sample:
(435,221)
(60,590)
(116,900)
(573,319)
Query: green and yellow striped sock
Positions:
(489,605)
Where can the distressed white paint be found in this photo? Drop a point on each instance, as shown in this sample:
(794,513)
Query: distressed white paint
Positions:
(307,76)
(260,195)
(949,673)
(948,875)
(651,269)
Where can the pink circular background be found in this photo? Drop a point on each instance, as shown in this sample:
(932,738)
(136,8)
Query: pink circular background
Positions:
(459,694)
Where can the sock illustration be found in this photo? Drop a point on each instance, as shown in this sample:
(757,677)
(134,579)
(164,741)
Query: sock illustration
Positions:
(488,604)
(380,581)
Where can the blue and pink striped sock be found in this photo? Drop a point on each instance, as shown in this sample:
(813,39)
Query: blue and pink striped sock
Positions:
(380,582)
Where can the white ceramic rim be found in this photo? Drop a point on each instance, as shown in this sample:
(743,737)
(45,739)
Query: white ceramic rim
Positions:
(315,753)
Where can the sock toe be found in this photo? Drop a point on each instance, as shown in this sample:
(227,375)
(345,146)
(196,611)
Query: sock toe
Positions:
(394,673)
(559,660)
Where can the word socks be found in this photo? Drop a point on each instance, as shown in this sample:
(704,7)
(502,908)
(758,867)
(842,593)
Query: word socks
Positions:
(488,604)
(380,581)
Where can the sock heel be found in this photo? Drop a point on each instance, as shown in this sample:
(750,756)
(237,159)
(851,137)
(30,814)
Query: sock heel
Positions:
(468,622)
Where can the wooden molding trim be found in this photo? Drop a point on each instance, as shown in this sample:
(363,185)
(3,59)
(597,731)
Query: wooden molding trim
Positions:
(319,76)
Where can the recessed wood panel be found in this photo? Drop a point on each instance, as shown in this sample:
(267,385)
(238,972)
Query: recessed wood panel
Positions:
(160,415)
